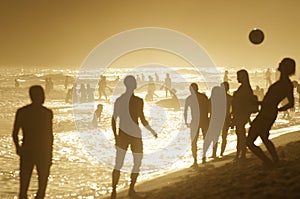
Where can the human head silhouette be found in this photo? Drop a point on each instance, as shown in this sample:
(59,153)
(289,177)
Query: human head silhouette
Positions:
(37,94)
(193,88)
(287,66)
(243,77)
(100,106)
(130,83)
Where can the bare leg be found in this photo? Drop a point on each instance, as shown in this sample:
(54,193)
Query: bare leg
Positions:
(255,149)
(133,178)
(194,139)
(115,180)
(116,172)
(238,147)
(194,150)
(43,170)
(137,161)
(224,139)
(204,132)
(26,167)
(215,147)
(270,147)
(105,95)
(243,144)
(241,141)
(99,92)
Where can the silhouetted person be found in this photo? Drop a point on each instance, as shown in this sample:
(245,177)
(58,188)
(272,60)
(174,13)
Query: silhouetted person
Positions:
(83,93)
(89,93)
(102,84)
(128,108)
(35,120)
(138,79)
(97,115)
(198,104)
(48,85)
(74,94)
(66,82)
(268,78)
(259,92)
(168,84)
(99,111)
(241,112)
(156,77)
(225,78)
(17,84)
(143,77)
(263,122)
(225,86)
(150,89)
(68,98)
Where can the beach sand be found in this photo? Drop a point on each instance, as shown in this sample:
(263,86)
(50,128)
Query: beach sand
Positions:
(225,178)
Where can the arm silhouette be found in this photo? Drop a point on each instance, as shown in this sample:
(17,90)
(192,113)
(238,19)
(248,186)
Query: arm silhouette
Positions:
(290,103)
(145,122)
(17,126)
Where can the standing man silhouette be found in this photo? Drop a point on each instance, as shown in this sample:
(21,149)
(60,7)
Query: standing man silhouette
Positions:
(263,122)
(198,104)
(35,120)
(102,85)
(168,84)
(268,78)
(128,108)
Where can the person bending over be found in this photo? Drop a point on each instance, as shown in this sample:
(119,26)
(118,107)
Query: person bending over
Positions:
(263,122)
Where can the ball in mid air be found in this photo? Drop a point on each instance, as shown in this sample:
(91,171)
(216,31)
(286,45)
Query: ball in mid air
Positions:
(256,36)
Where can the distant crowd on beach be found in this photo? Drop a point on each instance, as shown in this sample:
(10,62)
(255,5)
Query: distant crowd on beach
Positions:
(87,94)
(211,116)
(81,93)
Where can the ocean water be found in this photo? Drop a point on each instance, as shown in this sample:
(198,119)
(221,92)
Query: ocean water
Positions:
(83,155)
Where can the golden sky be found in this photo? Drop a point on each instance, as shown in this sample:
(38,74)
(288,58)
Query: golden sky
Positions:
(61,33)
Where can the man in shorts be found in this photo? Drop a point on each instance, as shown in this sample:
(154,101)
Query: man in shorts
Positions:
(35,120)
(128,108)
(198,104)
